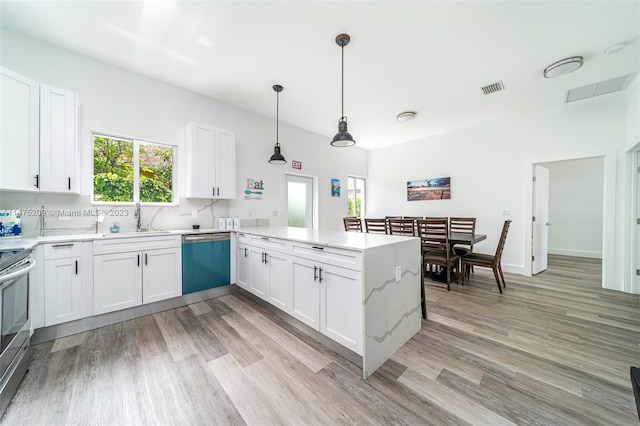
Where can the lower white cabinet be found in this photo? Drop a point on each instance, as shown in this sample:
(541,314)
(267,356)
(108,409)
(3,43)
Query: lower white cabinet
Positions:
(125,277)
(329,299)
(242,278)
(63,274)
(270,277)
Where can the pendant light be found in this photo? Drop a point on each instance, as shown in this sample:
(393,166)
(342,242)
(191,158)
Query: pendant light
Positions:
(343,137)
(277,157)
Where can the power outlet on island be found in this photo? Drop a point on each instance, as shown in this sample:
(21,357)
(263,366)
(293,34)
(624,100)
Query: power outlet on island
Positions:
(194,214)
(398,273)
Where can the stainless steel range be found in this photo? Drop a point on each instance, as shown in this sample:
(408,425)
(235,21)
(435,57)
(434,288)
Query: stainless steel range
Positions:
(15,321)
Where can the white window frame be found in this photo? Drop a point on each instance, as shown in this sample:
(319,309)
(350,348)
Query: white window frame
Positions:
(364,195)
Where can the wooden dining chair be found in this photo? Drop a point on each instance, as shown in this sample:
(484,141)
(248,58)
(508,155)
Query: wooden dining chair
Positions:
(375,226)
(463,225)
(489,261)
(352,224)
(405,227)
(434,235)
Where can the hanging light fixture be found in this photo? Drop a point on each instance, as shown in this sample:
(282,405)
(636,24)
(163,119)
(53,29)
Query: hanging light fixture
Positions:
(343,137)
(277,157)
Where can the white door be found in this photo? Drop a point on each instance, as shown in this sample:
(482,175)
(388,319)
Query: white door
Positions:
(225,164)
(299,201)
(306,297)
(259,273)
(161,274)
(341,306)
(201,146)
(63,290)
(280,291)
(243,266)
(117,281)
(540,236)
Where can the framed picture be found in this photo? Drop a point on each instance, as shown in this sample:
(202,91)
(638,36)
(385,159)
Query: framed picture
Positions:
(335,187)
(429,189)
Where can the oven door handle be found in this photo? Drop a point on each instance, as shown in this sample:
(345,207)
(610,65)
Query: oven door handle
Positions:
(22,271)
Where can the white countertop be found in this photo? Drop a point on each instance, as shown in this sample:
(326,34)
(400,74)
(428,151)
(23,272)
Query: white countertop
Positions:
(329,238)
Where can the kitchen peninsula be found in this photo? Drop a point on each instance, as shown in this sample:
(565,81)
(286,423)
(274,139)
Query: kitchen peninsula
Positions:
(360,290)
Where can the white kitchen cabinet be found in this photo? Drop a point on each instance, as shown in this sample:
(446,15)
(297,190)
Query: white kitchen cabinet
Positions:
(58,140)
(211,162)
(242,279)
(270,277)
(328,298)
(19,132)
(132,271)
(67,282)
(117,281)
(161,274)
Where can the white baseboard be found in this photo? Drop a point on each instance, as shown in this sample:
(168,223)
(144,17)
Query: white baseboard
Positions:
(576,253)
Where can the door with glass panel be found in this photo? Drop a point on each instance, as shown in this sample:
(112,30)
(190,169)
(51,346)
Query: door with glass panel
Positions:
(299,201)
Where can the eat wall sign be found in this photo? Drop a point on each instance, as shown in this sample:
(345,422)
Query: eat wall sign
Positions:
(296,165)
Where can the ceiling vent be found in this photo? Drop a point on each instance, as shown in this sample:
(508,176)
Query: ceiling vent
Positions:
(602,88)
(492,88)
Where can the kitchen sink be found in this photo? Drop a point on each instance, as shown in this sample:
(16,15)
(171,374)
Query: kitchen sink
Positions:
(136,234)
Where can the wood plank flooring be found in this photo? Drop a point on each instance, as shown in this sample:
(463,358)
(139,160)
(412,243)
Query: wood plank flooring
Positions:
(554,349)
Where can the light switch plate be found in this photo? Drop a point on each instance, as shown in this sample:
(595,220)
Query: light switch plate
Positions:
(194,214)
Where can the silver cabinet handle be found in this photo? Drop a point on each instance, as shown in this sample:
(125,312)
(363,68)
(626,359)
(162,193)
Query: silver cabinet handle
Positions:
(62,245)
(315,273)
(320,276)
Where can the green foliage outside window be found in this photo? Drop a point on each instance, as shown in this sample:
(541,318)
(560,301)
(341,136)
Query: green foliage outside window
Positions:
(113,169)
(350,211)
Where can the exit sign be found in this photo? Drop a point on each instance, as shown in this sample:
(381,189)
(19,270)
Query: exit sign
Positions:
(296,164)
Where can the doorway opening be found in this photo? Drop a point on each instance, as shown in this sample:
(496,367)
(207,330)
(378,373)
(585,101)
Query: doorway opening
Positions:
(568,210)
(300,208)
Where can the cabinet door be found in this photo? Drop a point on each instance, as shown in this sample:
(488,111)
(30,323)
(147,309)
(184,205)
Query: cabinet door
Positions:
(341,306)
(117,281)
(225,164)
(280,292)
(305,303)
(63,290)
(162,274)
(243,267)
(19,134)
(259,272)
(58,140)
(201,145)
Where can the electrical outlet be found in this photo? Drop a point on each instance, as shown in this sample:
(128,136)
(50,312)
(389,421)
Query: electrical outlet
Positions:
(398,274)
(194,214)
(506,213)
(275,213)
(249,213)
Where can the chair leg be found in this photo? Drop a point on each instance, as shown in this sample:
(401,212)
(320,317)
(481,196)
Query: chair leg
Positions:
(504,283)
(495,273)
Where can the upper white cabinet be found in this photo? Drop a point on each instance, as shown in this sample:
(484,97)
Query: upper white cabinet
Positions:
(39,138)
(211,162)
(58,140)
(19,130)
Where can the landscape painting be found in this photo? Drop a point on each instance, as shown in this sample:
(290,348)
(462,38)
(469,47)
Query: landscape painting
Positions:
(429,189)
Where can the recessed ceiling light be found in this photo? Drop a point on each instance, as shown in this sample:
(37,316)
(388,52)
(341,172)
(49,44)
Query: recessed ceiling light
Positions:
(563,66)
(406,116)
(206,42)
(615,48)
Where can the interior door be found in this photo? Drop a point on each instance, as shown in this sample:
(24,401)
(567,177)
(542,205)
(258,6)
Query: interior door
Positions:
(540,236)
(299,201)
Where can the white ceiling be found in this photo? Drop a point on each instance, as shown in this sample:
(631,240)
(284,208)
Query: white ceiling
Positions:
(424,56)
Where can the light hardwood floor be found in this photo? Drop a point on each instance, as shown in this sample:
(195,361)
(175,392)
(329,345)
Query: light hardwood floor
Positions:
(553,350)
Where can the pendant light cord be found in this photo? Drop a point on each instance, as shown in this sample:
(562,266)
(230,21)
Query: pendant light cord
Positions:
(277,118)
(342,97)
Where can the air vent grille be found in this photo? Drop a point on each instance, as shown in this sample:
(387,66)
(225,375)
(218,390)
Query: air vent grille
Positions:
(602,88)
(492,88)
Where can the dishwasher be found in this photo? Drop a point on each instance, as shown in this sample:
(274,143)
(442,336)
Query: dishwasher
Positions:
(206,261)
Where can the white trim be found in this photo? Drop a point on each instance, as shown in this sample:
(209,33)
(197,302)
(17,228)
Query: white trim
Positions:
(576,253)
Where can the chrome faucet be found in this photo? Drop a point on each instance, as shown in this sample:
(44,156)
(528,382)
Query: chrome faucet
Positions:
(137,216)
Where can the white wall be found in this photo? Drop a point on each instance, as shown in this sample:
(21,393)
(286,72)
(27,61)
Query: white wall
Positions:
(633,113)
(575,207)
(121,102)
(491,170)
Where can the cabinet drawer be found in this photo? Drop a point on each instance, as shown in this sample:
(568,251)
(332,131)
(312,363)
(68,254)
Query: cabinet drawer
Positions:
(276,244)
(243,238)
(62,250)
(349,259)
(123,245)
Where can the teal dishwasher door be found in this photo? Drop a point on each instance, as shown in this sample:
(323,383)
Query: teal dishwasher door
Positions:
(206,261)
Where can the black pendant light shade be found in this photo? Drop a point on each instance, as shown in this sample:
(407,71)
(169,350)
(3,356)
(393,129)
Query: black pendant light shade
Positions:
(277,157)
(343,138)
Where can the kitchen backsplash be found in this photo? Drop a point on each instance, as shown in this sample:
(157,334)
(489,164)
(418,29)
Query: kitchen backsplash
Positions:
(76,214)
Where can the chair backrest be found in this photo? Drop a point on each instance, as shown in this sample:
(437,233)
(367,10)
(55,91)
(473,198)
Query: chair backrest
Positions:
(402,227)
(466,225)
(352,224)
(377,226)
(503,239)
(434,233)
(635,384)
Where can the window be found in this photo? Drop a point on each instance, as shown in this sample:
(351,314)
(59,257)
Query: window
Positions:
(356,200)
(129,170)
